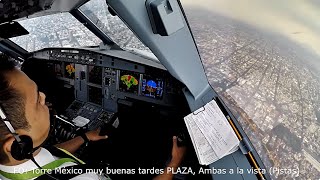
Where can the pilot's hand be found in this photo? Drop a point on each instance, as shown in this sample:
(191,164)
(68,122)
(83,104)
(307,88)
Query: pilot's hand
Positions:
(177,152)
(94,135)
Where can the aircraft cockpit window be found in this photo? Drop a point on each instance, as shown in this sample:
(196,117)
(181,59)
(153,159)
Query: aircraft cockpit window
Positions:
(97,12)
(263,61)
(57,30)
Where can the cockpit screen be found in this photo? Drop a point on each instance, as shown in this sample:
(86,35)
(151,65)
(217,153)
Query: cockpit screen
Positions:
(95,74)
(152,87)
(95,95)
(58,69)
(69,70)
(129,82)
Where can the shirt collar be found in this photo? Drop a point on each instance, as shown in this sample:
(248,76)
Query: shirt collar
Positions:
(42,158)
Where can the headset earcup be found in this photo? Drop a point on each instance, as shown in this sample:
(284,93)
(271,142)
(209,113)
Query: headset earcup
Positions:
(22,150)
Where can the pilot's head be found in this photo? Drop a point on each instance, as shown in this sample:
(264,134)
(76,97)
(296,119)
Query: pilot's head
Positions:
(24,106)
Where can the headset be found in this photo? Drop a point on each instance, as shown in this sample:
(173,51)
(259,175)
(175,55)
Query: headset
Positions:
(22,146)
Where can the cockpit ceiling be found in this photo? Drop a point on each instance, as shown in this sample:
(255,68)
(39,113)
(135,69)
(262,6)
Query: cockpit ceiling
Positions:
(16,9)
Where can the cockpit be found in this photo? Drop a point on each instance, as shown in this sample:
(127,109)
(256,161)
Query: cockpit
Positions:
(134,101)
(96,74)
(136,70)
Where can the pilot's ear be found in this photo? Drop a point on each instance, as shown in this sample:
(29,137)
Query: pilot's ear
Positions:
(7,145)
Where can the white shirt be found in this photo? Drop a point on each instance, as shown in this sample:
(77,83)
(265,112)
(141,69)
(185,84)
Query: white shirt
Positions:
(42,158)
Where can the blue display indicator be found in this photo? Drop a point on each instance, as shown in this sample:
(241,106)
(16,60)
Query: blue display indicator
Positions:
(152,87)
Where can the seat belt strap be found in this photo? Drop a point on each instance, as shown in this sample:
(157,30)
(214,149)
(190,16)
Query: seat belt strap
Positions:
(79,161)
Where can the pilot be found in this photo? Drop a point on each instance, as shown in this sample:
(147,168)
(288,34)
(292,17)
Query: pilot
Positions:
(24,127)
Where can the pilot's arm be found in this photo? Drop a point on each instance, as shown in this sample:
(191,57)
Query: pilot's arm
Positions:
(177,157)
(74,144)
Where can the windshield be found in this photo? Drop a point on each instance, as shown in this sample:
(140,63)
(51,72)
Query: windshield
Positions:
(97,12)
(262,57)
(57,30)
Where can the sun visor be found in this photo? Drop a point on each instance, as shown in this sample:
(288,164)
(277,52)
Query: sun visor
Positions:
(12,29)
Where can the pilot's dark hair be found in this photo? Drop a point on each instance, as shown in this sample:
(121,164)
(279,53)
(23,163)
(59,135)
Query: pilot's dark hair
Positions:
(12,102)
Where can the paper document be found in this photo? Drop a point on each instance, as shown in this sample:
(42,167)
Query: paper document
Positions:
(205,153)
(211,134)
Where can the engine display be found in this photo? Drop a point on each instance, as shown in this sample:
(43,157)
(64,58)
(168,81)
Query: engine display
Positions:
(95,74)
(152,87)
(129,82)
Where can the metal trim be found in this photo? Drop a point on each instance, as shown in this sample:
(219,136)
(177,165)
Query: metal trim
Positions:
(80,16)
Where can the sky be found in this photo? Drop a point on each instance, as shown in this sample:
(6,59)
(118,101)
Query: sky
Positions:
(298,20)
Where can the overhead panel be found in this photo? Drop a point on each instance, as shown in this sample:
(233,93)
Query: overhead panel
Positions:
(14,9)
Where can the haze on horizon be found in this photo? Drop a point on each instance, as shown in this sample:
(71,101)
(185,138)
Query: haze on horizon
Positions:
(295,19)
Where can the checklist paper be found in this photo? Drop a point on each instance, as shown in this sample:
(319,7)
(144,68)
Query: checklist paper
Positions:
(211,134)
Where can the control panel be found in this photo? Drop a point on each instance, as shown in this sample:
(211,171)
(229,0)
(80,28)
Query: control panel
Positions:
(90,115)
(80,117)
(74,56)
(105,81)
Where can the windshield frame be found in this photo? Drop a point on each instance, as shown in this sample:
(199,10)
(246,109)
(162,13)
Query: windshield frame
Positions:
(82,18)
(133,39)
(12,49)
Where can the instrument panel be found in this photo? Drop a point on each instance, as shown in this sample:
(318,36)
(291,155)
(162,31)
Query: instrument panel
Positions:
(104,79)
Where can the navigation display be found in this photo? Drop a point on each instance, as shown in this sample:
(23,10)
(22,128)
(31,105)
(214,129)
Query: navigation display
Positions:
(129,82)
(152,87)
(95,95)
(95,74)
(69,70)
